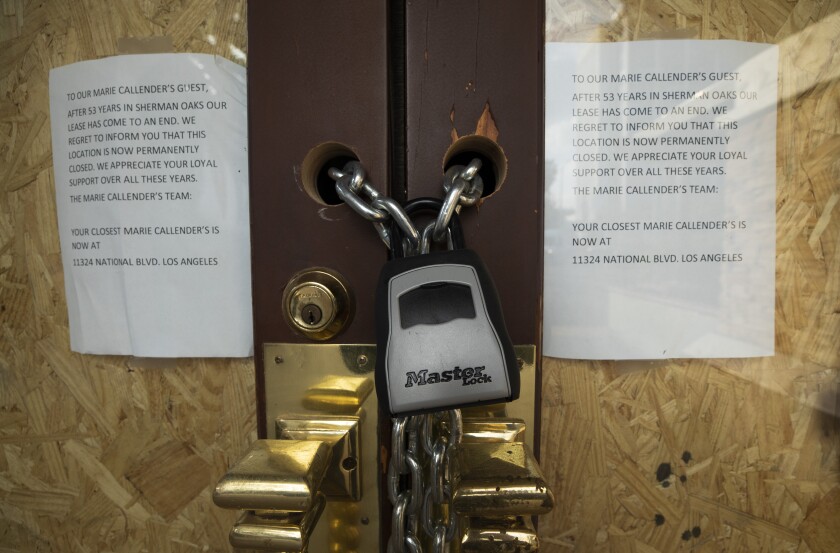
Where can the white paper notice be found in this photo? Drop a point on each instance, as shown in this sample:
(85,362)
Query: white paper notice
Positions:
(660,199)
(151,179)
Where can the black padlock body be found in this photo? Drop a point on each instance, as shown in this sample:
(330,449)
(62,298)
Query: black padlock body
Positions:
(441,336)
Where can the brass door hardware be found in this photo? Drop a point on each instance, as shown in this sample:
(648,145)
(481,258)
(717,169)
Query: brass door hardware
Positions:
(493,430)
(502,534)
(283,484)
(497,486)
(323,449)
(318,394)
(498,479)
(281,531)
(343,476)
(275,475)
(318,303)
(277,484)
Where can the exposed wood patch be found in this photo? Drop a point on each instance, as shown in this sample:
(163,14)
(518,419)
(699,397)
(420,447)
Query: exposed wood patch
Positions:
(169,477)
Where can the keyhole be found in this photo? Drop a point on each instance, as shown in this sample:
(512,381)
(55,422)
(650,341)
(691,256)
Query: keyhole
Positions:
(311,314)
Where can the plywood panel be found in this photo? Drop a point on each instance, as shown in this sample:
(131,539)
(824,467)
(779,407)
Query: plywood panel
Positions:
(98,453)
(750,449)
(718,454)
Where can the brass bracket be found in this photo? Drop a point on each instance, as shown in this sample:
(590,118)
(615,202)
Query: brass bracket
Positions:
(325,386)
(279,531)
(343,479)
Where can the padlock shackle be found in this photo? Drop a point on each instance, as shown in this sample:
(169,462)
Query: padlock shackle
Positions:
(433,206)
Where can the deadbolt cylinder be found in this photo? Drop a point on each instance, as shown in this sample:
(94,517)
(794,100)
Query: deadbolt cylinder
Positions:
(318,303)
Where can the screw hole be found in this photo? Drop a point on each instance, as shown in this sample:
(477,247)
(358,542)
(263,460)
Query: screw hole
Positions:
(349,463)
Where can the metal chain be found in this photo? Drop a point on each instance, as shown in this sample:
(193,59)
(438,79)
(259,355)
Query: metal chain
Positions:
(462,186)
(421,443)
(422,498)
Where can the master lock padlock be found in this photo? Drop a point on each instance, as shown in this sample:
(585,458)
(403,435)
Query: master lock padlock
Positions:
(441,335)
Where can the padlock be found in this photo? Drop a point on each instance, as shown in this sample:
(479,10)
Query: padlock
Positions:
(441,337)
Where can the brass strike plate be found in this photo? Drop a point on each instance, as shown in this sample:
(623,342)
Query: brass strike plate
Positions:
(331,380)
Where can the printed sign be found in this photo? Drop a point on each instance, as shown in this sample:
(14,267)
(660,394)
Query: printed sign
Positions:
(660,199)
(151,182)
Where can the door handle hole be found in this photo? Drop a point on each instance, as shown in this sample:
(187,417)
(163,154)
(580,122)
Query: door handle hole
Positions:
(493,161)
(315,171)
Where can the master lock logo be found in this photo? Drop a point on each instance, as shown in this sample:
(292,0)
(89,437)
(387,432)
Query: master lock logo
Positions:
(468,377)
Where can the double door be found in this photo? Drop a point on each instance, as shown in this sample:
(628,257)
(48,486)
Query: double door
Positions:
(409,90)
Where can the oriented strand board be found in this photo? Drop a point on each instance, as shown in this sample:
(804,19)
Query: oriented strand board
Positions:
(99,453)
(719,454)
(820,530)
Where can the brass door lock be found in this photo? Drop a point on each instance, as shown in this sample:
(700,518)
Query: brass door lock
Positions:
(318,303)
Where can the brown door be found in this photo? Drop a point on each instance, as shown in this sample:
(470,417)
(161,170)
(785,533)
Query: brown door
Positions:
(408,90)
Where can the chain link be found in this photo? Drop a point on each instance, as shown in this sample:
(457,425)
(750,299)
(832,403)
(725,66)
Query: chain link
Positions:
(462,186)
(417,443)
(422,443)
(348,184)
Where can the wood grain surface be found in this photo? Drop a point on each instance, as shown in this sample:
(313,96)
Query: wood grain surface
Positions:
(718,454)
(99,453)
(107,453)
